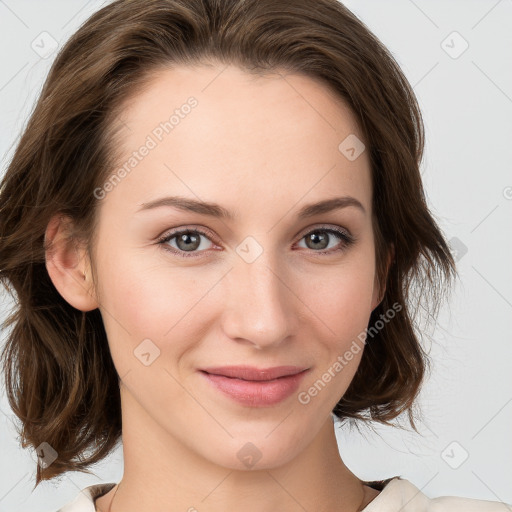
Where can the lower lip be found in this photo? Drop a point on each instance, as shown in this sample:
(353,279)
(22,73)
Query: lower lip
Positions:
(256,393)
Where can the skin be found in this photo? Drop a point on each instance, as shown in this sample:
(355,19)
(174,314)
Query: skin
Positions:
(261,147)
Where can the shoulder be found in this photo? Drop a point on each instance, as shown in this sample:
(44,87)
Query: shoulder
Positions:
(456,504)
(84,501)
(401,494)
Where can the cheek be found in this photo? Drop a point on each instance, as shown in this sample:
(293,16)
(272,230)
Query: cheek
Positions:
(143,297)
(342,297)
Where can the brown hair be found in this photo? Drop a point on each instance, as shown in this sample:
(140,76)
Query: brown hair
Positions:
(60,378)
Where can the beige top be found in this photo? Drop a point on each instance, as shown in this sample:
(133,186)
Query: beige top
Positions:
(397,494)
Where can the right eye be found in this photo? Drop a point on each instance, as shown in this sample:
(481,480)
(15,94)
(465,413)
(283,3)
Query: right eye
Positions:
(186,240)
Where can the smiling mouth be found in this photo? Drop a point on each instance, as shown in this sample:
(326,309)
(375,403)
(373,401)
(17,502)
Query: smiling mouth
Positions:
(250,373)
(262,392)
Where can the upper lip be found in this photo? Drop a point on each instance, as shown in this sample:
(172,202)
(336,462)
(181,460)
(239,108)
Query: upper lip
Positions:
(252,373)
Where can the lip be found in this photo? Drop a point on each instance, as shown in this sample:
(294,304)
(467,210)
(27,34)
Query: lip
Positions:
(256,387)
(252,373)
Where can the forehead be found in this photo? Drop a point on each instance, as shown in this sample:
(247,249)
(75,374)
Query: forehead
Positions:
(214,131)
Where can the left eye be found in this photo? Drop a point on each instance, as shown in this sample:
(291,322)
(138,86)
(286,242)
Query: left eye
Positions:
(189,241)
(314,240)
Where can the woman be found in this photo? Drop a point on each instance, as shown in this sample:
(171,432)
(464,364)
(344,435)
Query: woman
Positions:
(180,167)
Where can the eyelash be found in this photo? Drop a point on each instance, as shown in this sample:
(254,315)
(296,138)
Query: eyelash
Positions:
(347,240)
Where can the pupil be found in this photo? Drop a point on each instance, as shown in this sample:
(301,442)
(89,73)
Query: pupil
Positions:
(190,241)
(318,239)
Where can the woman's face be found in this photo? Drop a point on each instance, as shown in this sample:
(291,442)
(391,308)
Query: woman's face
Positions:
(265,288)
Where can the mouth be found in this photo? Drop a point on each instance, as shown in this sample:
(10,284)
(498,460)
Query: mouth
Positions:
(256,388)
(251,373)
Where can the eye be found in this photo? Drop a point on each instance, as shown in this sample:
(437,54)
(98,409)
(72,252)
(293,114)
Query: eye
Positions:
(189,241)
(320,238)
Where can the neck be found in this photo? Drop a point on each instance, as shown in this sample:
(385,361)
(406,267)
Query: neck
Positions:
(160,472)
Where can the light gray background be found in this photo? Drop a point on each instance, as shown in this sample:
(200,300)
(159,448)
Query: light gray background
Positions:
(466,101)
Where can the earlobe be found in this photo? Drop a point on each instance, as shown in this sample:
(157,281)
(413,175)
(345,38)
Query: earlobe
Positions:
(67,265)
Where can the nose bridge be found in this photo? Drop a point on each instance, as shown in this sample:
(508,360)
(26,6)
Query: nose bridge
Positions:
(259,305)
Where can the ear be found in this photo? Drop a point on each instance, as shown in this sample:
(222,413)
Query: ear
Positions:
(378,294)
(68,265)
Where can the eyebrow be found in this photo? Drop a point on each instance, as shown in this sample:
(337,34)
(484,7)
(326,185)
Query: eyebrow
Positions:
(218,211)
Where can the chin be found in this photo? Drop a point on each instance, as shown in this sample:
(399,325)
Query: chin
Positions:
(258,449)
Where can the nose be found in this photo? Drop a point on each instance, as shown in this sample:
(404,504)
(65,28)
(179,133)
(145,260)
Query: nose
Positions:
(260,306)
